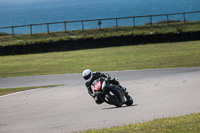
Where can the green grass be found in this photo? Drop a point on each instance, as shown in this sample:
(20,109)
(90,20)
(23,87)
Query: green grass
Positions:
(162,55)
(5,91)
(183,124)
(96,33)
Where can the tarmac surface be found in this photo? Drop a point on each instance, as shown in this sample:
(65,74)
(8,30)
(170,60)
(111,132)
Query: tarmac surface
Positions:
(157,93)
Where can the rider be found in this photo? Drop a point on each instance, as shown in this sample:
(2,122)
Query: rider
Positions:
(90,76)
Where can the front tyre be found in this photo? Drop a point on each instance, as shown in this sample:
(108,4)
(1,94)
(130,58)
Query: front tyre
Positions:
(129,101)
(113,101)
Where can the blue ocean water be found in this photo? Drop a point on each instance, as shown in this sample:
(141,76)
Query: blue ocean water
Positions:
(25,12)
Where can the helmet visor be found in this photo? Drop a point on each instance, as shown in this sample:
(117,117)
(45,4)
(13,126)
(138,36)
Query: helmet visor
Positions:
(87,76)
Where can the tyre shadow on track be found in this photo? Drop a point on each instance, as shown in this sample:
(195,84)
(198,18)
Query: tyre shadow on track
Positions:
(120,107)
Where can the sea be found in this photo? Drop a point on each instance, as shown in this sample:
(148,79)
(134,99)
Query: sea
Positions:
(26,12)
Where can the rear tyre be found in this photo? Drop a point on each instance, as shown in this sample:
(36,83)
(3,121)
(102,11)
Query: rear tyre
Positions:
(129,101)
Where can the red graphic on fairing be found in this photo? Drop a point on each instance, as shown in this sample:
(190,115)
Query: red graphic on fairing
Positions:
(97,86)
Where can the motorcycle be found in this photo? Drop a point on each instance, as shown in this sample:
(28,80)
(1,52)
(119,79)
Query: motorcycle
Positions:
(111,93)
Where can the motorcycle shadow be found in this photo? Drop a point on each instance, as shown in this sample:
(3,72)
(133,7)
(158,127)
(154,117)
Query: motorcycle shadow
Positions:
(120,107)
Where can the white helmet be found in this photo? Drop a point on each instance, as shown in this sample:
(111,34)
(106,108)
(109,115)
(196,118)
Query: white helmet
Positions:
(87,74)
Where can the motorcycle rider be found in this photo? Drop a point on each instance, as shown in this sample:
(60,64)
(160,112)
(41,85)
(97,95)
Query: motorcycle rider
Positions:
(90,76)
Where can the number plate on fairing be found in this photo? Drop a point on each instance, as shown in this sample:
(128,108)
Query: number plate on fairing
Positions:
(97,84)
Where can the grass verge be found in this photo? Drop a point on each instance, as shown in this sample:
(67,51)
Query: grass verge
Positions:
(162,55)
(5,91)
(183,124)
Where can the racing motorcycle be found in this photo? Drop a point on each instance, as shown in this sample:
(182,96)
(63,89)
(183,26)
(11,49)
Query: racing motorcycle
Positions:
(111,93)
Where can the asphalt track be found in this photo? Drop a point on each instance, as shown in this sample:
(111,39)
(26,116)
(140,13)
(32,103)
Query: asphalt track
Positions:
(157,93)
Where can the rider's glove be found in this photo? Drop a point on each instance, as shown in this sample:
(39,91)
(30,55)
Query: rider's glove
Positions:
(108,78)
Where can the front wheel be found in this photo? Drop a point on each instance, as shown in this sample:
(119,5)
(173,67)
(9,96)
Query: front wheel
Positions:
(129,101)
(113,100)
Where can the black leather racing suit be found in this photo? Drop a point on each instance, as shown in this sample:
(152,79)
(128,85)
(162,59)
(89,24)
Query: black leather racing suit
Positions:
(96,75)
